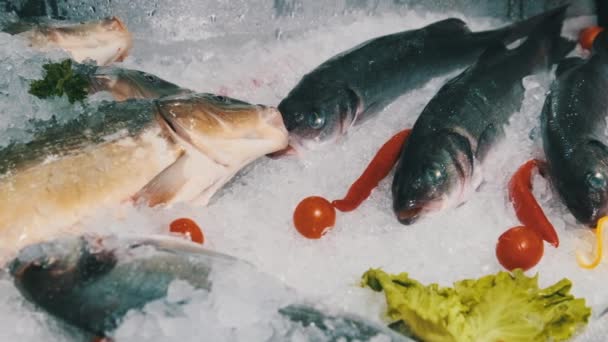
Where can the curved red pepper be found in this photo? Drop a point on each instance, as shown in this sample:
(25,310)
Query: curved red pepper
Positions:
(378,169)
(526,207)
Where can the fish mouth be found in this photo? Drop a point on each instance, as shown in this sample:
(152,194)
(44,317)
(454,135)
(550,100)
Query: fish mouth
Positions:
(286,152)
(410,215)
(114,23)
(16,268)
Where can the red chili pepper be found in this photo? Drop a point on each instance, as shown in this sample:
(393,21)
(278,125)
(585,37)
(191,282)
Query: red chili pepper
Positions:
(378,169)
(526,207)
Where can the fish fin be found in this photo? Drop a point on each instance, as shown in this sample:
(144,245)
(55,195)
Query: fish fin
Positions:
(548,33)
(568,64)
(448,26)
(183,180)
(205,196)
(523,28)
(165,186)
(177,245)
(486,140)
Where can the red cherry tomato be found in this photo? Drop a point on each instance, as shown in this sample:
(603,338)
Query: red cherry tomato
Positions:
(519,247)
(314,216)
(189,228)
(588,35)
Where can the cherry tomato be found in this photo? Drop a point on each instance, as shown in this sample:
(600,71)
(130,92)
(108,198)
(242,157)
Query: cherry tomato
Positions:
(314,216)
(189,228)
(588,35)
(519,247)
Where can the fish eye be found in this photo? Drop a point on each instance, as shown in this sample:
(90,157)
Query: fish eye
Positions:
(435,174)
(596,180)
(316,121)
(220,98)
(150,77)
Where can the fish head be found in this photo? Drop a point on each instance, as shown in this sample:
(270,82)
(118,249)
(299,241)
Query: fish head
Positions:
(320,118)
(431,175)
(229,131)
(127,84)
(584,188)
(103,41)
(45,271)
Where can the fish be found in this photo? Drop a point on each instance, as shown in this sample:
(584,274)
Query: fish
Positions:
(440,166)
(106,276)
(355,85)
(573,131)
(103,41)
(124,84)
(156,152)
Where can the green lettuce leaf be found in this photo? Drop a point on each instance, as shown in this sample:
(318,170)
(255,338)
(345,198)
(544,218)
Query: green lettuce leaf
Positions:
(60,79)
(502,307)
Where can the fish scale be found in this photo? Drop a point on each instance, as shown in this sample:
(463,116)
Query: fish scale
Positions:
(355,85)
(132,151)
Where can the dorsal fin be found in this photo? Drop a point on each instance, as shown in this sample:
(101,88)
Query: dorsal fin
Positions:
(448,26)
(568,64)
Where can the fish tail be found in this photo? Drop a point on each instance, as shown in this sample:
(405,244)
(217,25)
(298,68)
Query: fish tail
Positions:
(523,28)
(548,34)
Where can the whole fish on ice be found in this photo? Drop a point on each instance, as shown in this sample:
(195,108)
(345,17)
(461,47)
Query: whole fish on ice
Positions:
(441,163)
(104,41)
(356,84)
(181,148)
(574,126)
(105,277)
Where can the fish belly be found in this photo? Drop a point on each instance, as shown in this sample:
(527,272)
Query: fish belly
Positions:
(49,198)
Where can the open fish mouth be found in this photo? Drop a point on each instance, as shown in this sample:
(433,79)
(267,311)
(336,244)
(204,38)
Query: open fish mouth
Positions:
(286,152)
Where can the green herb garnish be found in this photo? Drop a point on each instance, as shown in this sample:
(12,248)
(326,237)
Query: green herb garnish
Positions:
(61,79)
(501,307)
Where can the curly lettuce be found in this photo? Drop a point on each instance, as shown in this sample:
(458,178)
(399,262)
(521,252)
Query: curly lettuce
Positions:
(502,307)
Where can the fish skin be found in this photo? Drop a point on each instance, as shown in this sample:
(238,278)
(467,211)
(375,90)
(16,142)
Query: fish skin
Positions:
(103,41)
(440,165)
(125,84)
(128,151)
(106,277)
(354,85)
(573,129)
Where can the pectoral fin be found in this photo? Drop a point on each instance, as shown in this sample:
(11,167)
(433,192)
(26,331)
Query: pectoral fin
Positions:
(182,181)
(165,186)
